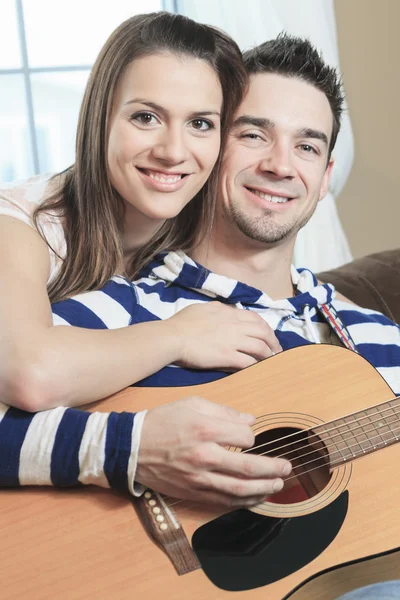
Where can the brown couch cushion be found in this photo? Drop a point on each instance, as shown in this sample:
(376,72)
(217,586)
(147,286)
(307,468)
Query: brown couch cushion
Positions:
(371,282)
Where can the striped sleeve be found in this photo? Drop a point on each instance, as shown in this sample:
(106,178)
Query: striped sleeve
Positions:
(65,447)
(377,339)
(109,308)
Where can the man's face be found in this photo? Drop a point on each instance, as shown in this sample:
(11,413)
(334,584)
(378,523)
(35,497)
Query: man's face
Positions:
(275,164)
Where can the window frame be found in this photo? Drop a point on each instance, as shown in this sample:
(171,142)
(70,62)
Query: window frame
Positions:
(26,71)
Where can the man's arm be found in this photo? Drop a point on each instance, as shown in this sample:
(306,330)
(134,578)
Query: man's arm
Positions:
(65,446)
(182,452)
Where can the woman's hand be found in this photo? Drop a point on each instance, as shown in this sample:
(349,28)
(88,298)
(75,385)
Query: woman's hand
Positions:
(216,336)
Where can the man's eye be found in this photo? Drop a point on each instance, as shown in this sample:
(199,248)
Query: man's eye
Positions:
(144,118)
(307,148)
(251,136)
(202,125)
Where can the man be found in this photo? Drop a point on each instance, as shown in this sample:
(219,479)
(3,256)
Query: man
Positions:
(276,167)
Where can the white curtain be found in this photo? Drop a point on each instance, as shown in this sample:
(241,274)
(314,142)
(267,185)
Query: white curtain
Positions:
(322,244)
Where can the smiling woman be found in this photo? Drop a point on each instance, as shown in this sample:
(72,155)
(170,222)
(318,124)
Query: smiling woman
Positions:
(156,58)
(162,150)
(155,113)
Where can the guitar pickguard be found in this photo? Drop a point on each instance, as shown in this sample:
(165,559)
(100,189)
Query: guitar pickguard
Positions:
(242,550)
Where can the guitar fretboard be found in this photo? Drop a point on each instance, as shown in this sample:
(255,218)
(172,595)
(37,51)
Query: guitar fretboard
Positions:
(361,433)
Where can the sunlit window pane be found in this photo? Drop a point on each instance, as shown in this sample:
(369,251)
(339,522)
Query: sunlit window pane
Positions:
(10,54)
(56,99)
(60,38)
(15,144)
(72,33)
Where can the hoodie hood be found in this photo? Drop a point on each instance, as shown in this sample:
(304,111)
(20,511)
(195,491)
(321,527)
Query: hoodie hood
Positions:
(184,272)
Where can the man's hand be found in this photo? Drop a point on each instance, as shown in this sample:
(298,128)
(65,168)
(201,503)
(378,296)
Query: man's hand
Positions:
(182,455)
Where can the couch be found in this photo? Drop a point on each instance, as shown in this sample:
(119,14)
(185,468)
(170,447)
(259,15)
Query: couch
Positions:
(371,282)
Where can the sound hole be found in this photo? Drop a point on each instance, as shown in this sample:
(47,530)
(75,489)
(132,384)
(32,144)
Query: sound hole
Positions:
(308,455)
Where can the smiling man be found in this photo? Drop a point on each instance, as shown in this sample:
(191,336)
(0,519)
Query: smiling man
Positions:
(275,168)
(277,164)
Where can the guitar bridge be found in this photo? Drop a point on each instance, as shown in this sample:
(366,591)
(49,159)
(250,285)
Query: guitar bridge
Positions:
(162,525)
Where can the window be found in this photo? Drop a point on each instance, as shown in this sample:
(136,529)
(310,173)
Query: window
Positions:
(46,52)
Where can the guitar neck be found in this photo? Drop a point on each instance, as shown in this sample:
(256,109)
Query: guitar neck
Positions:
(363,432)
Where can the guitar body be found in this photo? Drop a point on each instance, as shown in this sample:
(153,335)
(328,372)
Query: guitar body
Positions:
(90,543)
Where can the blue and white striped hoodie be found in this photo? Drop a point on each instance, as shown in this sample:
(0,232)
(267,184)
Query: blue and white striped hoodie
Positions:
(67,446)
(173,281)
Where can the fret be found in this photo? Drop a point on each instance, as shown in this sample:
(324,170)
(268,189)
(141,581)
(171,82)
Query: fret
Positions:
(381,429)
(392,417)
(356,437)
(334,442)
(372,428)
(344,439)
(363,441)
(322,432)
(363,432)
(386,422)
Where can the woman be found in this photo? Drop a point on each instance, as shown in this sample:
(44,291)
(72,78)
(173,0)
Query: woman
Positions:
(156,109)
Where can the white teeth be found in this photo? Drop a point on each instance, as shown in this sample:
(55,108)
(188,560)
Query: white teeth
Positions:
(274,199)
(164,178)
(279,199)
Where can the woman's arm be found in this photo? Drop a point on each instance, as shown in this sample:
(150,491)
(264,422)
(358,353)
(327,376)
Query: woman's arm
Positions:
(42,366)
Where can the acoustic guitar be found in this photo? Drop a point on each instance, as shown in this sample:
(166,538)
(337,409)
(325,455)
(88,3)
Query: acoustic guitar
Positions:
(334,527)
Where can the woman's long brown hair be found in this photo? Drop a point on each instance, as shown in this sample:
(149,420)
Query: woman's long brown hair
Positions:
(91,210)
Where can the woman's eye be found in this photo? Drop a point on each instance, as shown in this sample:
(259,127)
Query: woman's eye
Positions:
(144,118)
(202,125)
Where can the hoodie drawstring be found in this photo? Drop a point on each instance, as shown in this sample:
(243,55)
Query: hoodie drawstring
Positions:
(311,327)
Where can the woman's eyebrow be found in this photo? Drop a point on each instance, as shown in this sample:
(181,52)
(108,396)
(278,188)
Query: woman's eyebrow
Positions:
(205,113)
(146,102)
(159,108)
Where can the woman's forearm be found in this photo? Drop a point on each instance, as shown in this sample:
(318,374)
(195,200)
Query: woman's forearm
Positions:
(70,366)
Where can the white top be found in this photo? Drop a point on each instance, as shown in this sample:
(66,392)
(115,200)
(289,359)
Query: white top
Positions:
(19,199)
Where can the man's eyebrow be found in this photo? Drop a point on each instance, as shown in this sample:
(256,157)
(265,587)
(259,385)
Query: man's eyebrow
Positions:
(307,132)
(259,122)
(158,108)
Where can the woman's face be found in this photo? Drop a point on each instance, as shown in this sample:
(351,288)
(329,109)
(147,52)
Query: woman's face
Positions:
(164,135)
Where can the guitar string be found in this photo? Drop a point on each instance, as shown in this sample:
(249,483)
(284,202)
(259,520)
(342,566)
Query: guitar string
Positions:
(382,444)
(335,464)
(349,430)
(334,445)
(353,457)
(326,431)
(332,464)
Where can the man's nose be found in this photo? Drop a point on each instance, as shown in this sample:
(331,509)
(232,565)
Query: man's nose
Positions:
(279,161)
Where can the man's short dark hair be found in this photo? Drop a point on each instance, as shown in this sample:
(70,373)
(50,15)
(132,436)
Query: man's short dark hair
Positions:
(292,56)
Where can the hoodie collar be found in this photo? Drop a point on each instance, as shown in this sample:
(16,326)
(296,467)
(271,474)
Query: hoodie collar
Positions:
(180,269)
